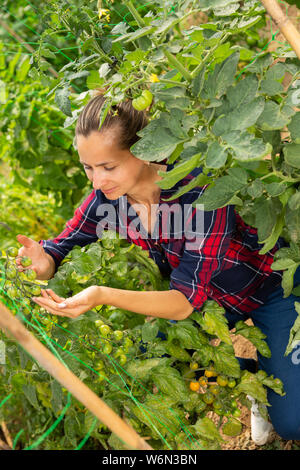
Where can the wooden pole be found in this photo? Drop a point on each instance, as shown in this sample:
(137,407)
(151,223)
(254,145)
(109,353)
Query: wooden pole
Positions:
(12,326)
(284,24)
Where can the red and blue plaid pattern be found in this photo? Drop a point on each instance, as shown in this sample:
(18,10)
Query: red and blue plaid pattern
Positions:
(225,264)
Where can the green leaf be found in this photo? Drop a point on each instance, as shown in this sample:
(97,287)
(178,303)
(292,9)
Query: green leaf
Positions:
(273,117)
(255,336)
(93,80)
(188,335)
(292,220)
(215,323)
(242,117)
(266,213)
(232,428)
(294,336)
(30,393)
(245,146)
(62,100)
(216,156)
(221,193)
(157,145)
(169,381)
(250,385)
(179,171)
(221,78)
(208,4)
(294,127)
(206,428)
(139,33)
(292,155)
(141,369)
(225,361)
(23,69)
(149,332)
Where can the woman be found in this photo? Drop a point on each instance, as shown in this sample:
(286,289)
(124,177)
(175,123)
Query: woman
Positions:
(216,259)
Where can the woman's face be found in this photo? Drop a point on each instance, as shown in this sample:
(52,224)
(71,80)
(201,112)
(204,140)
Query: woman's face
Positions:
(114,171)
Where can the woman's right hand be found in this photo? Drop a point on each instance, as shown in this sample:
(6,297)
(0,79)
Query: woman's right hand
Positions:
(42,263)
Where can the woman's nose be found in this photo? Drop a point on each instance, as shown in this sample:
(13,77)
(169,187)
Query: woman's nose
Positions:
(100,181)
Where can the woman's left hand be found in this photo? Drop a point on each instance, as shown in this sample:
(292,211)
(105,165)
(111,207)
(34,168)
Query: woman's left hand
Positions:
(73,306)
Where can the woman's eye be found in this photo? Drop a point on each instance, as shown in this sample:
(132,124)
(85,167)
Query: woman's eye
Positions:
(109,169)
(86,168)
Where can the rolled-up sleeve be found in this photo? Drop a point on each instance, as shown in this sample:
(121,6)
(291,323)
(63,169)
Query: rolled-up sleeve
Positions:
(203,255)
(80,230)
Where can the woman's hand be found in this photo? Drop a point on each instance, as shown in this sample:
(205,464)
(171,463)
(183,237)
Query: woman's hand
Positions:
(42,263)
(73,306)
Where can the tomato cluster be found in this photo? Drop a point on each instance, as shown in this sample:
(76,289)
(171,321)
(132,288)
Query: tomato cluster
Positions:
(20,284)
(216,391)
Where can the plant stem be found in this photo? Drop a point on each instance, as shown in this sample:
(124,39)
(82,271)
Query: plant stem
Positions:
(177,65)
(135,14)
(208,55)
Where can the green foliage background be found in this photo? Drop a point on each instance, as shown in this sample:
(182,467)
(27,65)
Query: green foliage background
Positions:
(220,102)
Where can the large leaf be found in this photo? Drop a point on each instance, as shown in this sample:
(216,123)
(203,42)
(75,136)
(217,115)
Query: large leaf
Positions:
(169,382)
(206,428)
(224,189)
(188,335)
(221,78)
(141,369)
(242,117)
(215,323)
(245,146)
(274,116)
(225,361)
(292,154)
(255,335)
(250,385)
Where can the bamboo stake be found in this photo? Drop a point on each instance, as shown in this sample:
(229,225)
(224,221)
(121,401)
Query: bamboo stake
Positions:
(6,434)
(283,22)
(12,326)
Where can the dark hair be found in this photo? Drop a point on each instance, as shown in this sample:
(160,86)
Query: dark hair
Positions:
(122,117)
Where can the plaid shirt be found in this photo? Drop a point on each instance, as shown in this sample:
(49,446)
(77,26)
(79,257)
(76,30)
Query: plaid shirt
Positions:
(224,266)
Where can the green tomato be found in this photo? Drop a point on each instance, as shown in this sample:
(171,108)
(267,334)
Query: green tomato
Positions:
(12,252)
(262,42)
(140,103)
(107,348)
(231,383)
(30,274)
(148,95)
(251,41)
(122,359)
(118,334)
(128,342)
(11,272)
(26,261)
(98,323)
(99,365)
(35,290)
(12,292)
(208,398)
(105,330)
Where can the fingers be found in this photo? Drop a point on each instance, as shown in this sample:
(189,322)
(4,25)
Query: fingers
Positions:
(52,295)
(52,307)
(25,241)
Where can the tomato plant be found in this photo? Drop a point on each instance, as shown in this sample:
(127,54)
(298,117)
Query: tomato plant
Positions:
(212,103)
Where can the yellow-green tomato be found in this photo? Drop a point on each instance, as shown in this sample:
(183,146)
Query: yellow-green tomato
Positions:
(105,330)
(118,334)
